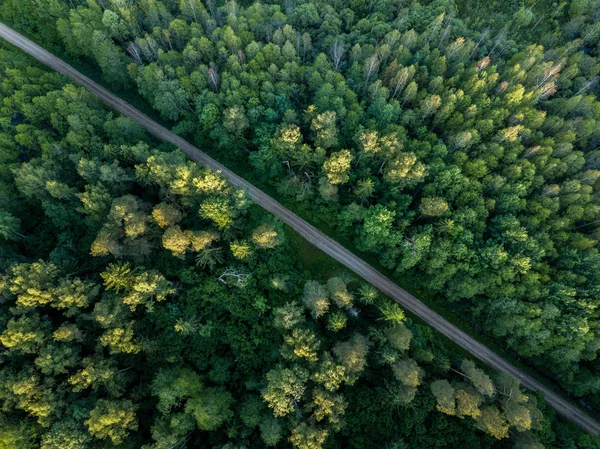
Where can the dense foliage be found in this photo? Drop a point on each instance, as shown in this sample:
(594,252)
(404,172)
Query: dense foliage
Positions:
(466,160)
(146,303)
(141,305)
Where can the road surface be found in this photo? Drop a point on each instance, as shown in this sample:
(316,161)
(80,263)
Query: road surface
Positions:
(309,232)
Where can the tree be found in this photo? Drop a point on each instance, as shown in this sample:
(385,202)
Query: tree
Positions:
(391,311)
(123,232)
(339,292)
(306,436)
(166,215)
(97,374)
(112,419)
(266,237)
(9,226)
(399,336)
(368,294)
(329,374)
(364,190)
(19,435)
(491,421)
(337,167)
(120,340)
(25,334)
(219,211)
(174,386)
(478,378)
(518,416)
(468,402)
(352,354)
(445,395)
(301,344)
(405,170)
(137,289)
(330,406)
(240,249)
(111,59)
(433,207)
(235,121)
(288,316)
(65,435)
(316,299)
(285,388)
(251,411)
(271,430)
(337,321)
(211,408)
(56,359)
(408,372)
(176,241)
(193,10)
(324,126)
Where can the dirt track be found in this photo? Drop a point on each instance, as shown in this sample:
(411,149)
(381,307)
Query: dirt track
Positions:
(309,232)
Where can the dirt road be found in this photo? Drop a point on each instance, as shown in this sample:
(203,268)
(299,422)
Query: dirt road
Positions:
(309,232)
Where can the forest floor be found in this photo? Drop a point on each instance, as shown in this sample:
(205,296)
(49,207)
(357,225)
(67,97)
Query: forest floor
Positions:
(310,233)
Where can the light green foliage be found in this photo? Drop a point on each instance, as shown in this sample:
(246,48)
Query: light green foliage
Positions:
(285,388)
(240,249)
(328,406)
(176,241)
(65,435)
(352,354)
(445,395)
(266,237)
(491,421)
(337,167)
(219,211)
(368,294)
(316,299)
(337,321)
(339,293)
(467,403)
(478,378)
(288,316)
(235,121)
(66,333)
(391,311)
(324,126)
(24,334)
(10,226)
(271,431)
(137,288)
(518,416)
(211,408)
(433,207)
(329,374)
(123,232)
(306,436)
(399,336)
(112,420)
(301,344)
(120,339)
(166,215)
(96,374)
(408,372)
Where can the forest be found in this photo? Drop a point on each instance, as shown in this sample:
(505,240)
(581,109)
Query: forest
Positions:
(145,303)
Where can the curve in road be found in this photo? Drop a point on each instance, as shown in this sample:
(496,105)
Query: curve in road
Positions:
(309,232)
